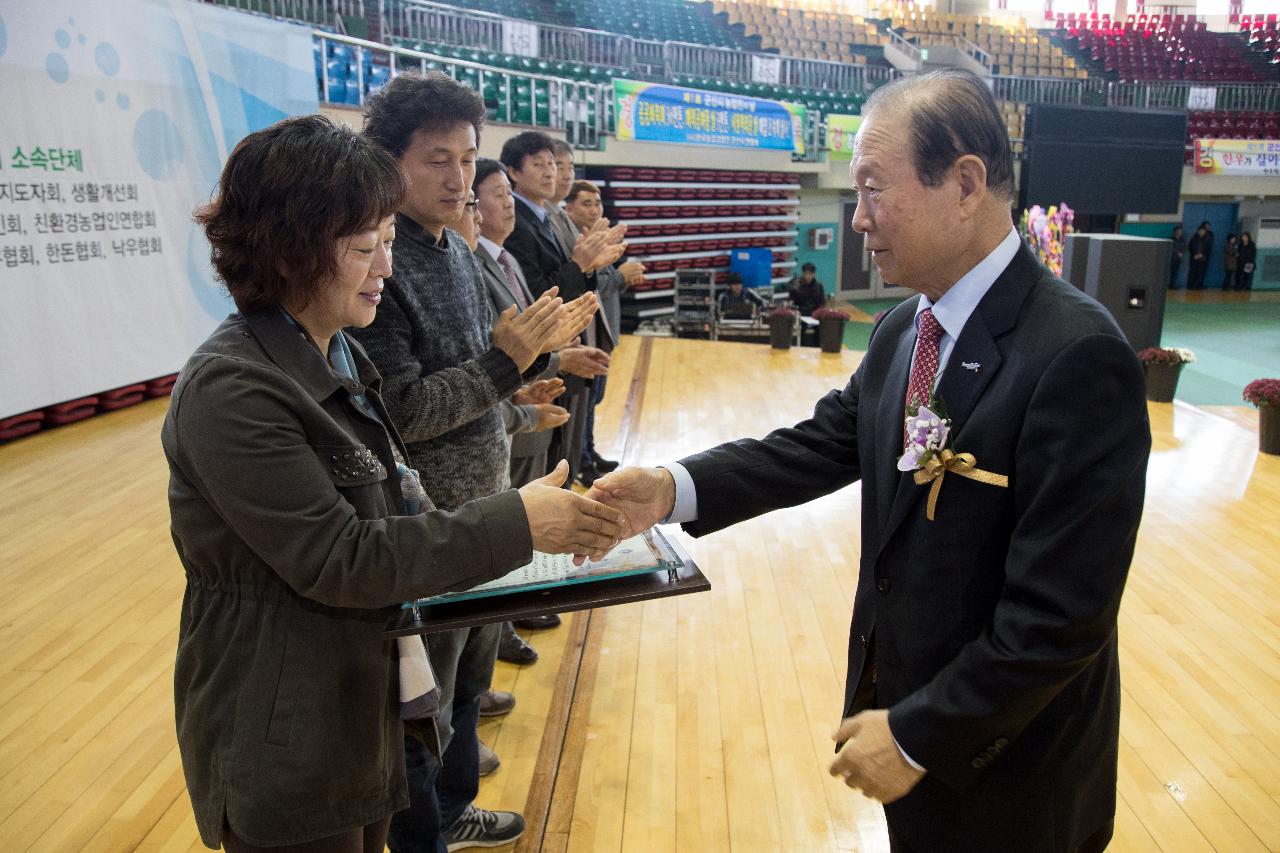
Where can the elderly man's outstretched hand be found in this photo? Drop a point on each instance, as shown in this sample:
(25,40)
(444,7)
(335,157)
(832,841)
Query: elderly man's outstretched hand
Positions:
(645,496)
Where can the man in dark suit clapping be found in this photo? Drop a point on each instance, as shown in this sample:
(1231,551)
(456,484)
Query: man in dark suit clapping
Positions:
(999,430)
(547,261)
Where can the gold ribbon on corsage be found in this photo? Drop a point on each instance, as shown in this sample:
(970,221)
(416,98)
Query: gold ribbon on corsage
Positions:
(961,464)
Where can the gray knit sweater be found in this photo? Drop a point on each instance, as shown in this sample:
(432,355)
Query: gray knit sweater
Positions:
(442,379)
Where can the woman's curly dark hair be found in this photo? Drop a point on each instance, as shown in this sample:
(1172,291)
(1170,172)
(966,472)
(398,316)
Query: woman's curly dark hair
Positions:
(286,195)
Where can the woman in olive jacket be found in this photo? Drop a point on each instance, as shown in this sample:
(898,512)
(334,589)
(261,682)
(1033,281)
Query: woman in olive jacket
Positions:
(292,511)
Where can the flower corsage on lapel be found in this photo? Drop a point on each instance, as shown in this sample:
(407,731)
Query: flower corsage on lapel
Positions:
(927,454)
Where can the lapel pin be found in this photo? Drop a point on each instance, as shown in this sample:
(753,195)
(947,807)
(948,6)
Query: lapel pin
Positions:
(970,365)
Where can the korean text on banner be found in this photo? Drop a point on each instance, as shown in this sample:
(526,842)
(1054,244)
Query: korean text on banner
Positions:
(841,131)
(652,112)
(119,117)
(1238,157)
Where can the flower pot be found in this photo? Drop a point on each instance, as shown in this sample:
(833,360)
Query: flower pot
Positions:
(1162,380)
(1269,429)
(780,329)
(831,334)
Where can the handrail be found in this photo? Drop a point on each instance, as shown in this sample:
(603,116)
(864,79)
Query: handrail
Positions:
(325,12)
(1040,90)
(898,41)
(1229,96)
(978,54)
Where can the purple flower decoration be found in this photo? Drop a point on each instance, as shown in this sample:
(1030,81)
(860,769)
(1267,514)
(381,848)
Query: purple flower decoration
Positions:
(926,434)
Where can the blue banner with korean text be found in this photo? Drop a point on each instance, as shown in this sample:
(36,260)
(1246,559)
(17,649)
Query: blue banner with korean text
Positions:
(654,112)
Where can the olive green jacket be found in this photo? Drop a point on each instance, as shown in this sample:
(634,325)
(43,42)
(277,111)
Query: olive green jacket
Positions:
(296,552)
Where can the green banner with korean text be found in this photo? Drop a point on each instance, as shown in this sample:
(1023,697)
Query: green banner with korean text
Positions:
(841,131)
(654,112)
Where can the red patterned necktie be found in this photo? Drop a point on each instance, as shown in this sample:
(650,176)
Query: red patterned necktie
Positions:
(504,261)
(925,364)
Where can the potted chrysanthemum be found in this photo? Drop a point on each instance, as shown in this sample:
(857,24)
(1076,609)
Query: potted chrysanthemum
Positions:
(782,323)
(830,328)
(1162,366)
(1265,394)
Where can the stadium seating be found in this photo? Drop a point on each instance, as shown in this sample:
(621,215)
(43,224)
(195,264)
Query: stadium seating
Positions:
(807,30)
(1162,47)
(1263,35)
(659,20)
(544,11)
(1015,48)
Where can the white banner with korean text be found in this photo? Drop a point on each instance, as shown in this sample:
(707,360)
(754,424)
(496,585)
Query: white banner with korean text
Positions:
(120,116)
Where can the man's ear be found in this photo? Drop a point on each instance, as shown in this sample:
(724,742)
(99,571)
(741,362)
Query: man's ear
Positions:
(971,175)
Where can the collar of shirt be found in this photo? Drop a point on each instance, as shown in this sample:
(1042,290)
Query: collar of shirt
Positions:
(490,247)
(538,210)
(955,307)
(407,226)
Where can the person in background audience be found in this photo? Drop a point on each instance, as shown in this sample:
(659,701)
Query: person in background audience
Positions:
(1230,259)
(806,292)
(585,210)
(507,287)
(446,363)
(564,227)
(547,261)
(299,524)
(522,415)
(737,295)
(1176,256)
(1247,262)
(1200,247)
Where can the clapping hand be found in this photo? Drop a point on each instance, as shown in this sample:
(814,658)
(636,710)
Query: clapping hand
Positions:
(584,361)
(542,391)
(599,246)
(632,273)
(524,335)
(577,316)
(550,416)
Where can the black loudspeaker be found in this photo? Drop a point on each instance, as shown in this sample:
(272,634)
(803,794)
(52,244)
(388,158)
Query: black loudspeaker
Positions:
(1102,160)
(1128,275)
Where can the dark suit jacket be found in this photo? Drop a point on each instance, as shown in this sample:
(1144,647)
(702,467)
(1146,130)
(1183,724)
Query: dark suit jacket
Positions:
(993,628)
(544,262)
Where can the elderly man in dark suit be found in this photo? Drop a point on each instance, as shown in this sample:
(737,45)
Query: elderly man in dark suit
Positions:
(998,426)
(548,260)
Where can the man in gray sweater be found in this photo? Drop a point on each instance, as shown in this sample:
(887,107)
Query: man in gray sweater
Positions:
(446,364)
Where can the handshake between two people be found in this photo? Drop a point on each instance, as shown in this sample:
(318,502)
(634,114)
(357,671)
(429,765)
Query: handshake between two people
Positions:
(620,505)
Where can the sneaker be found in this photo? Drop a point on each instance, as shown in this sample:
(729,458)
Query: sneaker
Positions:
(481,828)
(488,760)
(495,703)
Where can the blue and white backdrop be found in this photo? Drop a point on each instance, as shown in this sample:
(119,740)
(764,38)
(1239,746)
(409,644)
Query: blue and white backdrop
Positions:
(117,118)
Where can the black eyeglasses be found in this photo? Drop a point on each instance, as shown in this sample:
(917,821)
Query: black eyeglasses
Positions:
(472,204)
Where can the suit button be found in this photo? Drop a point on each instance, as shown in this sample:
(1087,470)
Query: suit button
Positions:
(883,585)
(862,638)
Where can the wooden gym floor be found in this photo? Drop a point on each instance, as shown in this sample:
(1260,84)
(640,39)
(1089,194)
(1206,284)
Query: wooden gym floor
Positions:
(693,724)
